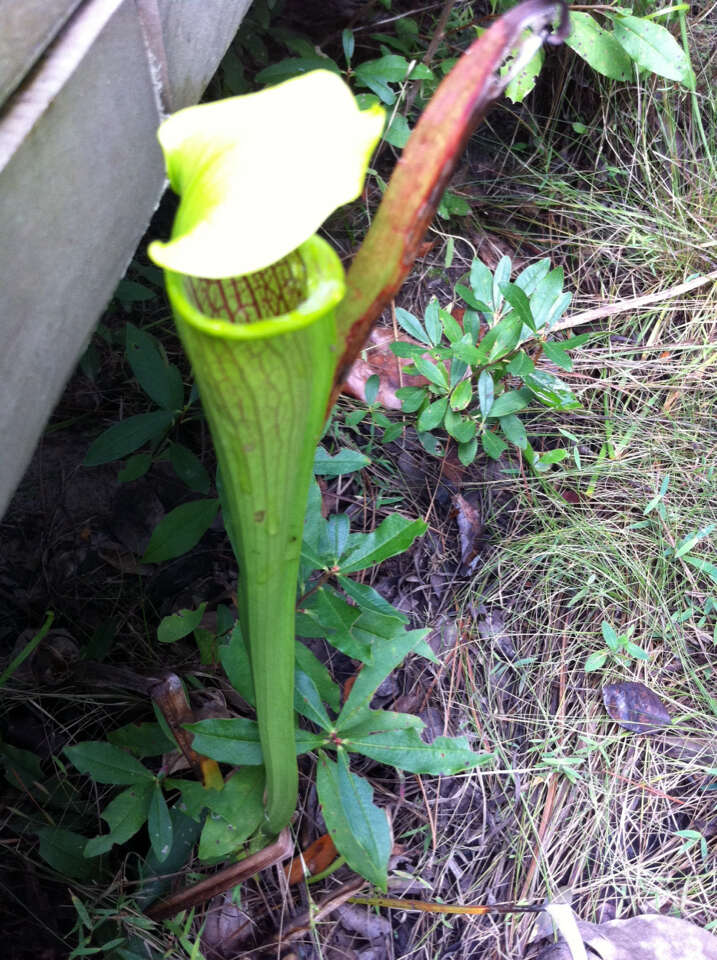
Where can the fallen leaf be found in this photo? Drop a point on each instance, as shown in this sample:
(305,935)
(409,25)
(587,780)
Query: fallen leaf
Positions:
(317,857)
(649,936)
(363,921)
(382,363)
(635,707)
(470,529)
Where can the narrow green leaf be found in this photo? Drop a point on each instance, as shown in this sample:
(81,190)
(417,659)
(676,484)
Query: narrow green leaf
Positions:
(294,67)
(63,850)
(180,530)
(432,322)
(127,436)
(486,392)
(432,372)
(504,336)
(405,750)
(519,302)
(307,701)
(159,824)
(514,431)
(160,380)
(234,657)
(125,815)
(529,278)
(386,657)
(411,398)
(451,327)
(551,391)
(135,467)
(598,47)
(235,740)
(143,739)
(380,721)
(462,395)
(481,280)
(467,452)
(492,444)
(344,462)
(106,763)
(596,661)
(546,293)
(369,599)
(412,325)
(312,667)
(358,828)
(393,535)
(652,46)
(510,402)
(180,624)
(432,416)
(557,353)
(189,468)
(467,295)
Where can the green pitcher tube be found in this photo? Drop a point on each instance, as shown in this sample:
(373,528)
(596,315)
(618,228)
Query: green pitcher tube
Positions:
(263,350)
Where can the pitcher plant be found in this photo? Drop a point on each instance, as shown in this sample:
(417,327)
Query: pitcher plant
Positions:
(269,321)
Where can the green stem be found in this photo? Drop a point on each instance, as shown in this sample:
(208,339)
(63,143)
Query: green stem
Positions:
(263,349)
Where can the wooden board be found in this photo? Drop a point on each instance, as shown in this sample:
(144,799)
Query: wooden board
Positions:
(26,29)
(81,173)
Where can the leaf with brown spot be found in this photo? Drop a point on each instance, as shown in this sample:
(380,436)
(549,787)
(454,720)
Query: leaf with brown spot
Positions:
(634,707)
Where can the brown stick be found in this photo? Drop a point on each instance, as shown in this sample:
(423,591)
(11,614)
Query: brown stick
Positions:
(224,879)
(425,168)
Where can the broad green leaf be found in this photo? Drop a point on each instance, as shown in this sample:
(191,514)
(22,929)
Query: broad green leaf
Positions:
(521,365)
(180,624)
(557,353)
(63,850)
(135,467)
(598,47)
(386,657)
(406,750)
(514,431)
(378,74)
(335,537)
(157,877)
(652,46)
(127,436)
(467,295)
(358,828)
(234,657)
(290,67)
(551,391)
(307,701)
(393,535)
(432,322)
(125,815)
(493,445)
(398,132)
(524,81)
(235,740)
(596,661)
(412,325)
(189,468)
(180,530)
(504,337)
(369,599)
(552,456)
(510,402)
(432,372)
(519,302)
(159,825)
(411,398)
(451,327)
(160,380)
(703,565)
(529,278)
(481,280)
(106,763)
(22,767)
(432,416)
(312,667)
(545,295)
(467,452)
(235,812)
(462,395)
(380,721)
(225,158)
(460,428)
(486,392)
(345,461)
(501,275)
(143,739)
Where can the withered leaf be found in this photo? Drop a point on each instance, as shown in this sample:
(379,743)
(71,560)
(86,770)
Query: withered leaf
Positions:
(634,707)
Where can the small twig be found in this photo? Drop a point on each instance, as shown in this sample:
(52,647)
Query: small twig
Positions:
(224,879)
(303,924)
(634,303)
(474,909)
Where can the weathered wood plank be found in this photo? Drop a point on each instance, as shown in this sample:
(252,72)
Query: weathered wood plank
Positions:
(26,28)
(80,175)
(75,198)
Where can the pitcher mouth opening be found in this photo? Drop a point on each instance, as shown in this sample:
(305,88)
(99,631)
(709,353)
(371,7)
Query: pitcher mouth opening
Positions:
(282,297)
